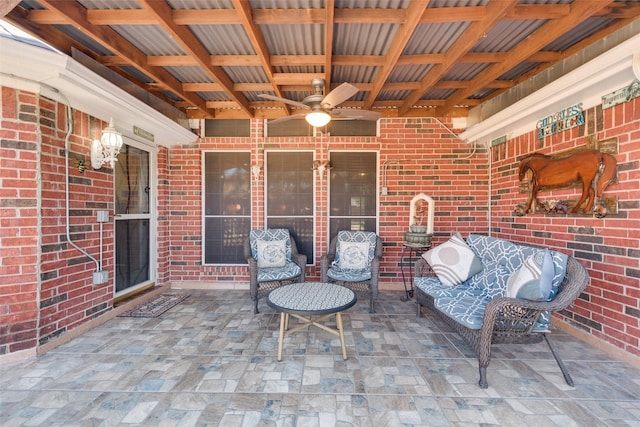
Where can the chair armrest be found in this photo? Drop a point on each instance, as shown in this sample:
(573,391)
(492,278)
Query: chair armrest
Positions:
(325,263)
(301,260)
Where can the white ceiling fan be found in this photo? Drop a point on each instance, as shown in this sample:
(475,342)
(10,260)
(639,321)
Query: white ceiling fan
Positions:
(323,107)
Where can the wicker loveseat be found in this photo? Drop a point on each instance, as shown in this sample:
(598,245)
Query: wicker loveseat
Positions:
(478,309)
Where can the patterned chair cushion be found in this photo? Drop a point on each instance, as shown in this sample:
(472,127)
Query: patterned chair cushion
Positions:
(532,281)
(269,235)
(353,255)
(348,275)
(453,261)
(272,274)
(345,238)
(271,253)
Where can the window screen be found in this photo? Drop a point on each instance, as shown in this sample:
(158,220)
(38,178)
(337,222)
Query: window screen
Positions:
(353,200)
(289,195)
(227,206)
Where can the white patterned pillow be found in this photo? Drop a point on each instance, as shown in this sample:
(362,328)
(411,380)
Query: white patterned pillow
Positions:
(353,255)
(453,261)
(532,281)
(272,253)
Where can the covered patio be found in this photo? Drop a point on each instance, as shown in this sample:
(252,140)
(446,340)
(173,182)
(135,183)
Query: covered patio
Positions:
(211,361)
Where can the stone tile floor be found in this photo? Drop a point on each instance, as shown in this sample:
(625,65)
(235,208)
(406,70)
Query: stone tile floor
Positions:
(211,361)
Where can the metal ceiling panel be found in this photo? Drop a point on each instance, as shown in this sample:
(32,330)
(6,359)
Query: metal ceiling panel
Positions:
(294,39)
(363,39)
(506,35)
(151,40)
(434,38)
(190,74)
(409,73)
(223,39)
(367,35)
(246,74)
(578,33)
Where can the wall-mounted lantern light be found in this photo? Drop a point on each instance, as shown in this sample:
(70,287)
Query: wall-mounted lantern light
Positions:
(107,148)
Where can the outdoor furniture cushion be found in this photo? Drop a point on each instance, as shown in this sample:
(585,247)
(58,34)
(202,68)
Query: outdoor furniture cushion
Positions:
(453,261)
(272,253)
(532,281)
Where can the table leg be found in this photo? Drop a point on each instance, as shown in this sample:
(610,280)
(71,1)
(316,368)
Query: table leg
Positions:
(341,334)
(283,320)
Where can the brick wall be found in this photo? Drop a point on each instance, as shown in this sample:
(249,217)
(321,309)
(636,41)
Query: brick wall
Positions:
(18,223)
(608,247)
(45,284)
(423,156)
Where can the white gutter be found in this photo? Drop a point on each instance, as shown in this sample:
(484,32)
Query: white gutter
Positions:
(86,91)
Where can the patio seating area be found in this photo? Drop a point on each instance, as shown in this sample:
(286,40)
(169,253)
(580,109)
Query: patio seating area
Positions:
(210,360)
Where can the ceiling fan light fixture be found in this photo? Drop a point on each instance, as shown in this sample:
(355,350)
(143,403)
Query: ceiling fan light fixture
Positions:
(318,119)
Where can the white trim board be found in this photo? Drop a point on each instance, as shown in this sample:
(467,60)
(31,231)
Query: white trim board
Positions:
(58,76)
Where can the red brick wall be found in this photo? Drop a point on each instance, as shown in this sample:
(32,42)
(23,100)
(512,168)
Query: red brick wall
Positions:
(608,247)
(18,223)
(45,284)
(429,159)
(40,271)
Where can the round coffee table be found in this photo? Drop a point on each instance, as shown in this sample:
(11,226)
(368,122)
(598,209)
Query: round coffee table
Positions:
(303,300)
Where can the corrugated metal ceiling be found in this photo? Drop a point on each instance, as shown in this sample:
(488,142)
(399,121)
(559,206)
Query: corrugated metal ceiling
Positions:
(406,57)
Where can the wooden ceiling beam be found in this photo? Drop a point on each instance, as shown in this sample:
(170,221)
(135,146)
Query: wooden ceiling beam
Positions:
(539,11)
(329,20)
(544,35)
(370,16)
(495,12)
(453,14)
(185,38)
(76,15)
(245,13)
(413,13)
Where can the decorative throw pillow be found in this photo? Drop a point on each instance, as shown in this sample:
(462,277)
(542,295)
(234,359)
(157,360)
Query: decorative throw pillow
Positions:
(271,253)
(453,261)
(532,281)
(353,255)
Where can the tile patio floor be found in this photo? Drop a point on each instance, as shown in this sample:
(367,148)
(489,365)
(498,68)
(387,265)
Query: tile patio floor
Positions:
(211,361)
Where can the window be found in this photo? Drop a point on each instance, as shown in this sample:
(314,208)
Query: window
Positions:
(353,200)
(289,204)
(227,206)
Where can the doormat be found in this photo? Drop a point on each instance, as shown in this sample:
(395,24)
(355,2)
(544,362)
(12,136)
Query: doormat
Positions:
(155,306)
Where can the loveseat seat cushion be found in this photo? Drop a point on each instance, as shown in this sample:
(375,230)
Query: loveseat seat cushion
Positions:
(433,287)
(467,310)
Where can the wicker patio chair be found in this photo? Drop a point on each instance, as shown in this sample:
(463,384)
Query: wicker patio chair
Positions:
(264,279)
(358,279)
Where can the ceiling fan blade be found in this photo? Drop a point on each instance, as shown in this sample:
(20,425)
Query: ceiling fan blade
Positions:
(355,114)
(285,100)
(286,118)
(338,95)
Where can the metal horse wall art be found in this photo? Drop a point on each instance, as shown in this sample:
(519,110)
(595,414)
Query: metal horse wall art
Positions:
(590,168)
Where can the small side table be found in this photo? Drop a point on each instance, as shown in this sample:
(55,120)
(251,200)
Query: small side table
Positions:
(409,252)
